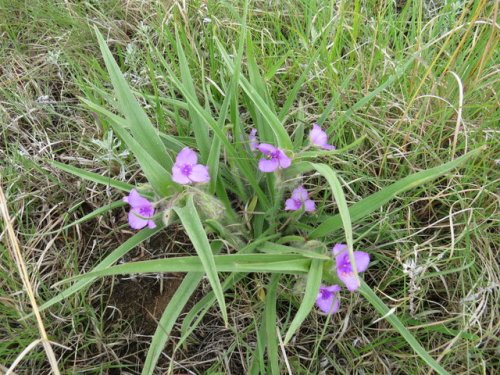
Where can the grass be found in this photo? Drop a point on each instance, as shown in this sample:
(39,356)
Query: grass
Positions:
(416,79)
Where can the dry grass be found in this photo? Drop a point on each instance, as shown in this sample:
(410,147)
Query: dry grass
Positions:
(436,246)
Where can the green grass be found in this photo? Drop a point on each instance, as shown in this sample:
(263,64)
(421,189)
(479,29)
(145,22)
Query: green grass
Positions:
(360,68)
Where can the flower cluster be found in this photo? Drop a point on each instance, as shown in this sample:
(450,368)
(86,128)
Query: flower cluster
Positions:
(327,299)
(186,170)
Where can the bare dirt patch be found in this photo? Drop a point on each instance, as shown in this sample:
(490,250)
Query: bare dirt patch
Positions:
(142,301)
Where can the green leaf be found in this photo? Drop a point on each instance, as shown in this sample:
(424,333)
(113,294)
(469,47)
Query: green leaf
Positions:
(91,176)
(158,177)
(192,224)
(283,263)
(97,212)
(368,205)
(168,319)
(270,117)
(207,301)
(214,156)
(172,143)
(140,125)
(339,196)
(175,306)
(197,124)
(314,278)
(388,315)
(247,168)
(275,248)
(271,326)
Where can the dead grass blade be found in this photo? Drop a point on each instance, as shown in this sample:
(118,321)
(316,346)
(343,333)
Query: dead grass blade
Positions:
(15,251)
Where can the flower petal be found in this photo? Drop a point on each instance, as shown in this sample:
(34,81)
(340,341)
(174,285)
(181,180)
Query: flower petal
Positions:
(178,176)
(338,248)
(186,156)
(317,136)
(300,193)
(328,147)
(332,288)
(136,201)
(151,224)
(362,260)
(135,221)
(327,301)
(199,173)
(268,165)
(253,139)
(309,205)
(266,148)
(284,160)
(349,279)
(292,205)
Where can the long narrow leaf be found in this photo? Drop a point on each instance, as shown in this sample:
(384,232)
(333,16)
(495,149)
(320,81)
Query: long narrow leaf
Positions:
(368,205)
(97,212)
(270,322)
(91,176)
(194,229)
(339,196)
(313,283)
(292,264)
(158,177)
(388,315)
(140,125)
(207,301)
(197,124)
(244,166)
(168,319)
(271,118)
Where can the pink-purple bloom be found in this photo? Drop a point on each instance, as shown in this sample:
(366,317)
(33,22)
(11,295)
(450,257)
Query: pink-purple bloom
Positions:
(318,137)
(327,299)
(187,170)
(344,267)
(253,139)
(300,199)
(141,212)
(274,158)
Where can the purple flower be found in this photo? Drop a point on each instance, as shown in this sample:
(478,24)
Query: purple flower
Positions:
(253,139)
(274,158)
(345,271)
(141,211)
(327,299)
(299,199)
(186,170)
(319,138)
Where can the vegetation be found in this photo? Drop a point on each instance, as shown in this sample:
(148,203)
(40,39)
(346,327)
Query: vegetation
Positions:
(99,97)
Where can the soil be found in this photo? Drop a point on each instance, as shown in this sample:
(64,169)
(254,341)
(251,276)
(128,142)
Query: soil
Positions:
(143,300)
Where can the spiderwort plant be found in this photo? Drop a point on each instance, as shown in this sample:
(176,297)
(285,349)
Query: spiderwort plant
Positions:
(235,180)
